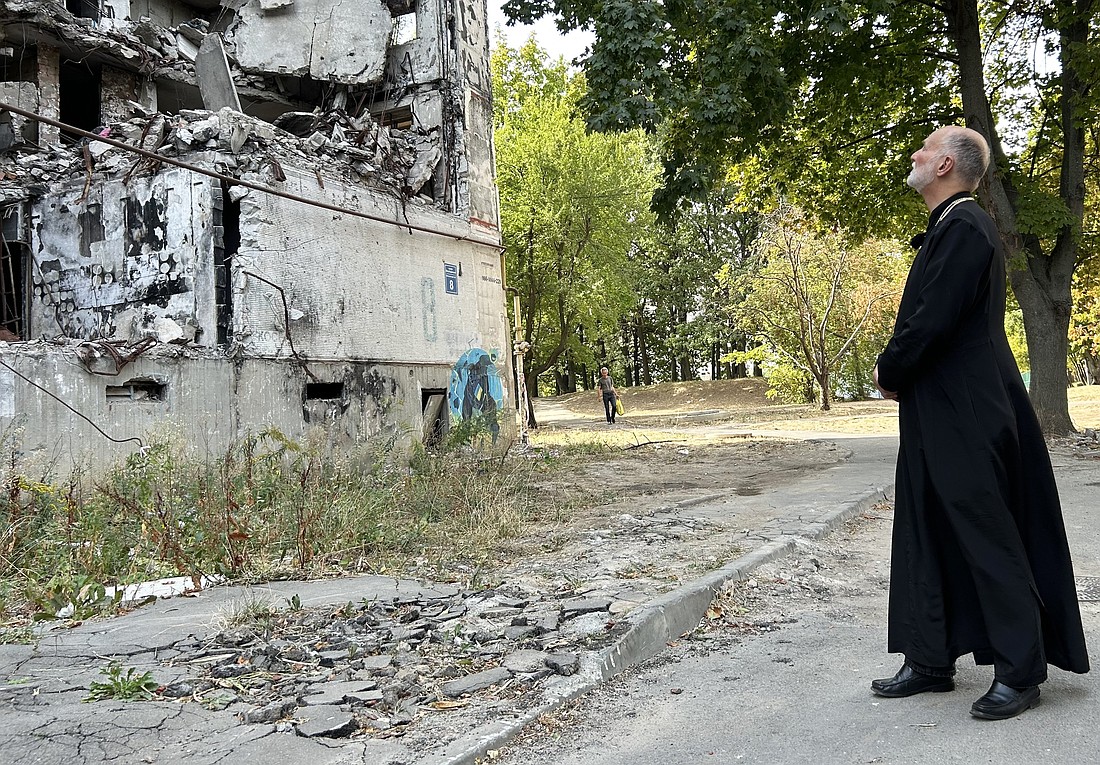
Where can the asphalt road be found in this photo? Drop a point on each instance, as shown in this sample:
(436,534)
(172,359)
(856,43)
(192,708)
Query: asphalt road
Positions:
(799,693)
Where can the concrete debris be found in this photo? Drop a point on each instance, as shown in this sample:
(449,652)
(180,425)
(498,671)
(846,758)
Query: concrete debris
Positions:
(329,722)
(190,56)
(355,150)
(584,606)
(1086,444)
(378,158)
(377,666)
(526,662)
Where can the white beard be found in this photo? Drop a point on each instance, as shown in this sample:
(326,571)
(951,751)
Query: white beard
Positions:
(919,178)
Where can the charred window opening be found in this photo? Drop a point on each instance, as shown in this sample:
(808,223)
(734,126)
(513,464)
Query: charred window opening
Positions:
(173,97)
(291,93)
(324,391)
(19,67)
(138,389)
(397,118)
(227,241)
(14,257)
(79,86)
(83,9)
(433,402)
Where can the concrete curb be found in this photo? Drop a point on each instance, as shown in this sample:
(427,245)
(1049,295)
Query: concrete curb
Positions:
(652,627)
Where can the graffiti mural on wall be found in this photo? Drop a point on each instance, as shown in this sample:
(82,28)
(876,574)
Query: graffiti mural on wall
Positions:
(476,389)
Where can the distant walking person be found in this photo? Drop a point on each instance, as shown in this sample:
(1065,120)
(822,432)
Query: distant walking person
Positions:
(980,562)
(607,393)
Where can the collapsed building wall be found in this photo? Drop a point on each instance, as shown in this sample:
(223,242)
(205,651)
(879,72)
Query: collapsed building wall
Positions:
(323,251)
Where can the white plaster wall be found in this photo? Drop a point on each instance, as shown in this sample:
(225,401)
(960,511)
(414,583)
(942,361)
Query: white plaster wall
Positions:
(95,272)
(480,174)
(358,289)
(49,92)
(209,403)
(472,44)
(476,181)
(341,40)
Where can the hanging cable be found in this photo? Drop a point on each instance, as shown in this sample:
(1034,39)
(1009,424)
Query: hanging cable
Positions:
(238,181)
(65,404)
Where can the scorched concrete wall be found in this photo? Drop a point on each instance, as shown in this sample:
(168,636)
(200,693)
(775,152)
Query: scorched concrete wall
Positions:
(357,289)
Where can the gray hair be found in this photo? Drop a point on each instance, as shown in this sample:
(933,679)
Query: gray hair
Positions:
(970,151)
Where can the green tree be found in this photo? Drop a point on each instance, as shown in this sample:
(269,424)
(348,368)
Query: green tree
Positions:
(572,204)
(835,94)
(816,294)
(1084,327)
(682,323)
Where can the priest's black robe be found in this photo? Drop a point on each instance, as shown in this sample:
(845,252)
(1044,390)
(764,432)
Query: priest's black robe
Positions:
(980,562)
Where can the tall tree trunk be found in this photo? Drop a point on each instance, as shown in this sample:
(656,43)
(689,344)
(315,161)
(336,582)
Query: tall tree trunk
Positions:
(625,343)
(532,381)
(646,365)
(1040,281)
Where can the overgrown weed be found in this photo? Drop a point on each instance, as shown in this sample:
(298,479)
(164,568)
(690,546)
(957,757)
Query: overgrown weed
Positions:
(269,507)
(130,685)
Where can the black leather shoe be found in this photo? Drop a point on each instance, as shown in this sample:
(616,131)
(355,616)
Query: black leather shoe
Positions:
(1001,702)
(909,682)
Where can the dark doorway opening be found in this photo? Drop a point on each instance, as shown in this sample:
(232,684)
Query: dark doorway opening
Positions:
(433,402)
(79,86)
(227,241)
(14,271)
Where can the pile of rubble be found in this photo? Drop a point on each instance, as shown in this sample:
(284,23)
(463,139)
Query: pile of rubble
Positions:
(1086,444)
(357,150)
(377,668)
(334,139)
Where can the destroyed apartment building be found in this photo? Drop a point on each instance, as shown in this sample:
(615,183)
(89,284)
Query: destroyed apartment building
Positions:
(222,216)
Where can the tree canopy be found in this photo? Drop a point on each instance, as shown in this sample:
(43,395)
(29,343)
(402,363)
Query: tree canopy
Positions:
(830,97)
(572,205)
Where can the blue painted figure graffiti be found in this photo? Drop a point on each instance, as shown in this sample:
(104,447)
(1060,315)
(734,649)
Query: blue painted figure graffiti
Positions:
(476,389)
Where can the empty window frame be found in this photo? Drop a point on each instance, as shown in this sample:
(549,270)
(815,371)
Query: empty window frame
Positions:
(398,118)
(80,105)
(324,391)
(14,272)
(13,290)
(404,21)
(138,389)
(227,240)
(83,9)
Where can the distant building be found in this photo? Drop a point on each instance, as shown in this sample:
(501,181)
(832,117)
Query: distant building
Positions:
(139,292)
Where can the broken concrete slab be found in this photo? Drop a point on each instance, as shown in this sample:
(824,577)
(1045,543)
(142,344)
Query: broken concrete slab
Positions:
(269,713)
(213,75)
(335,693)
(525,661)
(325,721)
(578,606)
(341,42)
(563,663)
(475,682)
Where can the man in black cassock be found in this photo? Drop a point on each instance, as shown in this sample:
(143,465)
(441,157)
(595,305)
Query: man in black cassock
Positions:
(980,562)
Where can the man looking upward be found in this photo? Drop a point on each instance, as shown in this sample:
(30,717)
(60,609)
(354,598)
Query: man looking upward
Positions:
(979,562)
